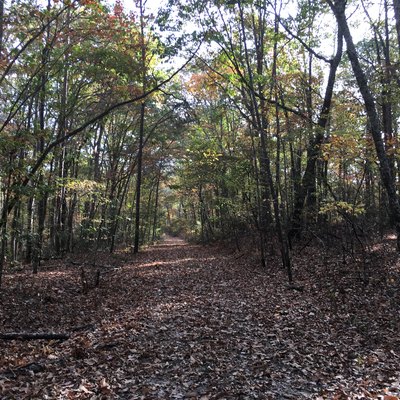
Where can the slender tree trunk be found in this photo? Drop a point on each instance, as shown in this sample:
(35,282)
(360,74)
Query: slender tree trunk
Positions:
(387,97)
(29,230)
(16,227)
(70,211)
(369,193)
(141,133)
(396,7)
(90,204)
(1,29)
(60,201)
(313,151)
(258,214)
(4,221)
(122,198)
(42,200)
(139,180)
(155,217)
(3,248)
(260,121)
(147,230)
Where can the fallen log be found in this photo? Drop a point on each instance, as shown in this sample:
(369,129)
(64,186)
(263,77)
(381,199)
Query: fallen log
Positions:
(87,327)
(33,336)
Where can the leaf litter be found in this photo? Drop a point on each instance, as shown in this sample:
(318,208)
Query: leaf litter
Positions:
(181,321)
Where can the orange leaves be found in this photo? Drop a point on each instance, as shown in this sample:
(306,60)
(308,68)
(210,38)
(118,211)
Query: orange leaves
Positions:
(343,146)
(203,85)
(89,2)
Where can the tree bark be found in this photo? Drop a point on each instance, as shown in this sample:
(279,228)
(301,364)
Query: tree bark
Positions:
(388,181)
(1,29)
(43,196)
(139,180)
(155,216)
(141,133)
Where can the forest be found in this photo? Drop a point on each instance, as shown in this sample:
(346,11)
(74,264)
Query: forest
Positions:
(199,199)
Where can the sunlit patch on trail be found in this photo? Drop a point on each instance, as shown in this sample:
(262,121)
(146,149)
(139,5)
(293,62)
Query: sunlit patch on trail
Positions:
(178,261)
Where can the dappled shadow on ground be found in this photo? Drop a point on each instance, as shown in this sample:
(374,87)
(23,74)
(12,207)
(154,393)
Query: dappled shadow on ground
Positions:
(181,321)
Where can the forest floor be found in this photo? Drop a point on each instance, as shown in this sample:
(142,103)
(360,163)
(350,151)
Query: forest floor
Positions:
(182,321)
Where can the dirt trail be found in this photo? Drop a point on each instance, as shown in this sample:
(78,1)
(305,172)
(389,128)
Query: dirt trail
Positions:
(181,321)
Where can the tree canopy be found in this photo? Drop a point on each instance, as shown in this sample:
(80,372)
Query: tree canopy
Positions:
(208,119)
(199,199)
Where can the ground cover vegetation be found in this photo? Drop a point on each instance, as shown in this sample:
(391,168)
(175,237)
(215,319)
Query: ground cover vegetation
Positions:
(264,133)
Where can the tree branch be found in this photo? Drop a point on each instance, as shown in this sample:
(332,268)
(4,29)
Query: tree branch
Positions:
(98,117)
(25,181)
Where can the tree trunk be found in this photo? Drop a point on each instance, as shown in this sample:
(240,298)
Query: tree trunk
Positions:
(313,150)
(259,120)
(396,7)
(370,105)
(155,217)
(3,233)
(139,180)
(141,132)
(1,29)
(29,229)
(42,200)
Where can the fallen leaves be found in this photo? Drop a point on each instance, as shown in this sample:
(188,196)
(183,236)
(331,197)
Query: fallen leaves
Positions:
(188,322)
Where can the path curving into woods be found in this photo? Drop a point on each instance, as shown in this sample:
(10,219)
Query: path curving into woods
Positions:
(183,321)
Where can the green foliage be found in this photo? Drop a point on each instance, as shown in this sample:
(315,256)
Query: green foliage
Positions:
(204,168)
(338,210)
(83,188)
